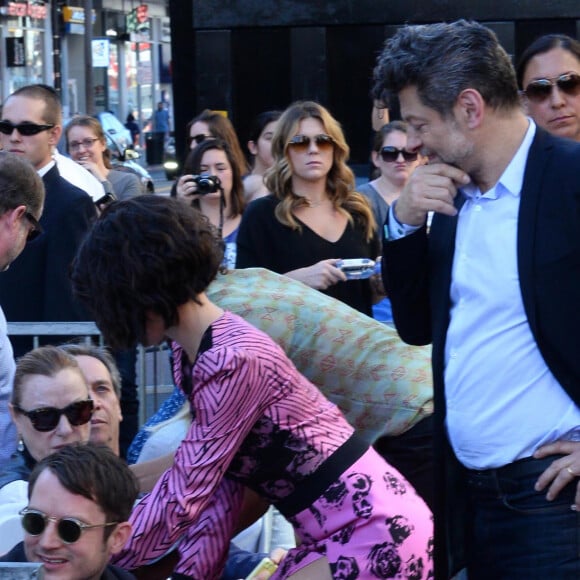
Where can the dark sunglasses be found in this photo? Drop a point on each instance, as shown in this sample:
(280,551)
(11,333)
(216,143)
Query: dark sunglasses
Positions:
(36,228)
(69,530)
(47,418)
(392,154)
(301,143)
(541,89)
(198,139)
(27,129)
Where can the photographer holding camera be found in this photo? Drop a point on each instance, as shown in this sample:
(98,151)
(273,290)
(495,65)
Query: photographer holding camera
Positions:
(213,182)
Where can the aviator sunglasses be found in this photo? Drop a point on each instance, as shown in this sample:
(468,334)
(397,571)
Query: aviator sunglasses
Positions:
(47,418)
(69,530)
(390,153)
(301,143)
(541,89)
(26,129)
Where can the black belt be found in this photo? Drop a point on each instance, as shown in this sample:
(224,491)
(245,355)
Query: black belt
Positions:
(314,485)
(519,468)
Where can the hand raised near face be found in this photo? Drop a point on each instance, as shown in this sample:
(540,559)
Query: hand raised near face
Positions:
(430,188)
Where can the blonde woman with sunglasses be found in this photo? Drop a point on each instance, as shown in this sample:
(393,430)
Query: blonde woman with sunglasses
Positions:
(549,76)
(313,218)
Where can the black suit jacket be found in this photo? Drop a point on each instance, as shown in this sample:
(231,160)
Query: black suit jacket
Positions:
(36,287)
(417,276)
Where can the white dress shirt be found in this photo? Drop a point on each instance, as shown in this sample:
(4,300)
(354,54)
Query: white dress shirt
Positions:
(502,400)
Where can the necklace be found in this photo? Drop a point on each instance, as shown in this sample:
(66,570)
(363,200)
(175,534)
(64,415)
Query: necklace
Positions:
(315,203)
(311,203)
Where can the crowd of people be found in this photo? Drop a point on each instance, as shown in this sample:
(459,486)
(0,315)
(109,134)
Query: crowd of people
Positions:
(412,420)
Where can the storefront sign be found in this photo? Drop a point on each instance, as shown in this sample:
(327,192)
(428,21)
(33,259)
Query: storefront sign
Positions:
(100,50)
(23,9)
(138,24)
(76,15)
(73,14)
(74,19)
(144,73)
(15,54)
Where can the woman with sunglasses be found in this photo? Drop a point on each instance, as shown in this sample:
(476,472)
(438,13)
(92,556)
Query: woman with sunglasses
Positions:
(213,125)
(395,164)
(549,75)
(87,145)
(313,219)
(51,408)
(260,148)
(256,423)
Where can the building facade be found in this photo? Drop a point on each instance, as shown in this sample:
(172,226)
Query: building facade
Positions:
(246,56)
(45,42)
(25,43)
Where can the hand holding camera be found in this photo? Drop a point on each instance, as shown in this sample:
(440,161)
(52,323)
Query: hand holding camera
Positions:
(198,184)
(357,268)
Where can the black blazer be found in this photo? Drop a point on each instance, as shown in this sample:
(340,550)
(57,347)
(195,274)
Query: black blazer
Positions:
(417,276)
(36,287)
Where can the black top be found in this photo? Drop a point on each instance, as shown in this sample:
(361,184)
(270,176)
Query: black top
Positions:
(111,572)
(264,242)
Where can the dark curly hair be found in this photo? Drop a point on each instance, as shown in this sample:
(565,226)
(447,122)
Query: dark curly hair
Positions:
(443,59)
(146,254)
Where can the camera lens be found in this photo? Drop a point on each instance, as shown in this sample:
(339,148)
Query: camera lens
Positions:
(207,184)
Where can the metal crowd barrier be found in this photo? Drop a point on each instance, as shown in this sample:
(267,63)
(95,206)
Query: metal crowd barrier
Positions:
(154,380)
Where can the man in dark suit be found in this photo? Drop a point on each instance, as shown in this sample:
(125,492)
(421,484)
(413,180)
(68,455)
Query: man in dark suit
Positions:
(37,287)
(494,285)
(21,203)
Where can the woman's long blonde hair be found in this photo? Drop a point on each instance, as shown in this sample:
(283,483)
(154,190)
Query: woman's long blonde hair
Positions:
(340,182)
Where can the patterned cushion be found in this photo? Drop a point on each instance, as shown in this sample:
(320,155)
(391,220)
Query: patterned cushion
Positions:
(382,385)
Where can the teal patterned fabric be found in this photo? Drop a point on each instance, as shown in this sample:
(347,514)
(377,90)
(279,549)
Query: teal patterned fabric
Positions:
(382,385)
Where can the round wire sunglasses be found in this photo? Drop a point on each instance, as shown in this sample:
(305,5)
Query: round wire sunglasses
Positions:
(69,529)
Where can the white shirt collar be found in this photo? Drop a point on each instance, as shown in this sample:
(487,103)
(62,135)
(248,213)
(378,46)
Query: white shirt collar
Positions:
(44,170)
(512,179)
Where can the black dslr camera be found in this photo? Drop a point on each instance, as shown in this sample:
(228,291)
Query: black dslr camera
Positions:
(207,184)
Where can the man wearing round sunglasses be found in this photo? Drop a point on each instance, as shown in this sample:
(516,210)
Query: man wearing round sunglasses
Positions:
(76,517)
(37,287)
(51,409)
(21,204)
(494,286)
